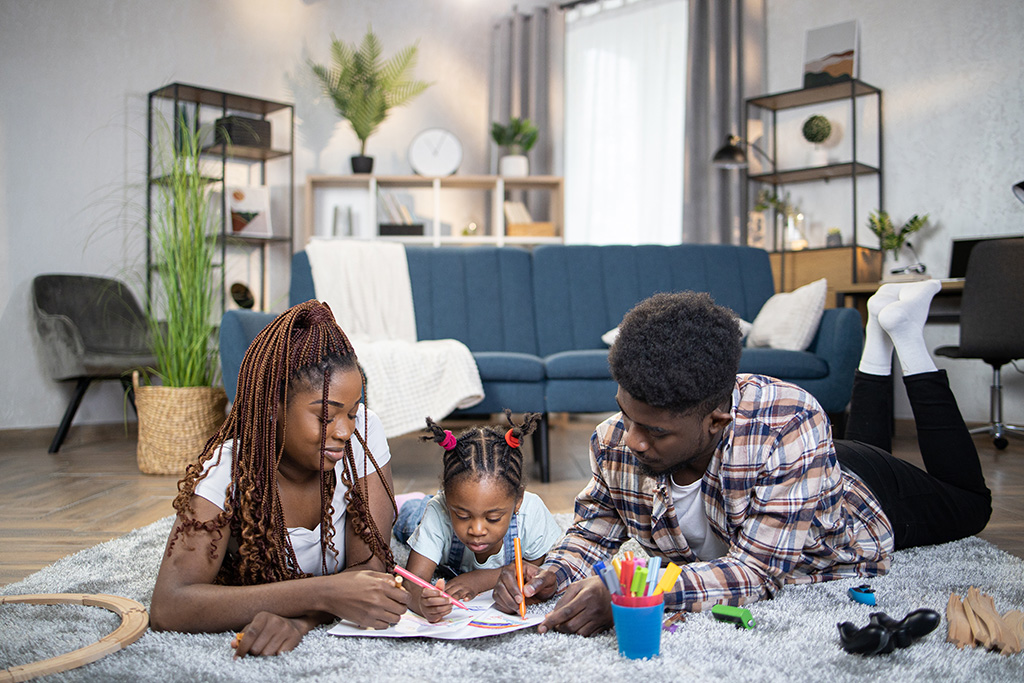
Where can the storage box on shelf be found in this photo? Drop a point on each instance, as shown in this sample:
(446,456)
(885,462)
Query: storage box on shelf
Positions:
(242,133)
(371,198)
(842,265)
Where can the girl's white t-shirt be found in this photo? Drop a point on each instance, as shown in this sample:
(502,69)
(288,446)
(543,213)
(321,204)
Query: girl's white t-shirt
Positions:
(305,542)
(693,522)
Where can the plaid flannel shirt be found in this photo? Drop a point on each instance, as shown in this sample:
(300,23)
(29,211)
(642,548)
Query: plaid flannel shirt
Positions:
(773,492)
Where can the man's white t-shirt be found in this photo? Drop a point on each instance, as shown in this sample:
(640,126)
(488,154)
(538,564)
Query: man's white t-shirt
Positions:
(693,522)
(305,542)
(538,532)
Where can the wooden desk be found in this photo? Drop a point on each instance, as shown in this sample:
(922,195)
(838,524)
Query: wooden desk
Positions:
(945,306)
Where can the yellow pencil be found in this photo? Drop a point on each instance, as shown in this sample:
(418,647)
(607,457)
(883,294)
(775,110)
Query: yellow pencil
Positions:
(668,579)
(519,575)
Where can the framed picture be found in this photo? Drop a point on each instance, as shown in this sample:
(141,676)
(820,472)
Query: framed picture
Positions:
(248,211)
(830,54)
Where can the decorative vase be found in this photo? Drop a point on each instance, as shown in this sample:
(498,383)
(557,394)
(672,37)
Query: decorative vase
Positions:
(362,163)
(818,157)
(514,166)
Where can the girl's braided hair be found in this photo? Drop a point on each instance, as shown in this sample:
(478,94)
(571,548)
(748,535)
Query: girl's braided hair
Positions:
(302,347)
(484,451)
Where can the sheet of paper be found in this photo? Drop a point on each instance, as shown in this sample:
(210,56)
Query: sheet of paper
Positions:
(480,620)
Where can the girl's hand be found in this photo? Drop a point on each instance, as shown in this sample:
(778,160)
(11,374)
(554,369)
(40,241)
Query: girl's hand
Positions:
(433,605)
(461,590)
(366,598)
(269,634)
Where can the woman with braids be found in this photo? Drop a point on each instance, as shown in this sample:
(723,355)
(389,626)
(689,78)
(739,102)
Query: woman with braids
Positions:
(465,532)
(285,519)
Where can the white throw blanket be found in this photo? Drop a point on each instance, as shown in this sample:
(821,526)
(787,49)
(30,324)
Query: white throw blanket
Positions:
(366,284)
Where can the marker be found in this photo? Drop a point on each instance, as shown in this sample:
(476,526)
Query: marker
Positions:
(402,571)
(639,582)
(519,575)
(611,580)
(668,579)
(626,576)
(653,567)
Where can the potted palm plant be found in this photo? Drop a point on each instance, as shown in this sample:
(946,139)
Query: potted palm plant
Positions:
(892,240)
(178,415)
(515,138)
(364,86)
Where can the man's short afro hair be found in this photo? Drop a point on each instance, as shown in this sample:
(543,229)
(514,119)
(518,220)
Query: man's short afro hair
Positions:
(678,351)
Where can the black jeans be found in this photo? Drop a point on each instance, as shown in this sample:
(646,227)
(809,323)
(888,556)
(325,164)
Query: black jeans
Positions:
(947,502)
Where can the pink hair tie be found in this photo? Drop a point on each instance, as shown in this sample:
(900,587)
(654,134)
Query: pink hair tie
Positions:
(449,442)
(511,440)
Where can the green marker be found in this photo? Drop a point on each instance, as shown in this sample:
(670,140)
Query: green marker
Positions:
(740,616)
(639,582)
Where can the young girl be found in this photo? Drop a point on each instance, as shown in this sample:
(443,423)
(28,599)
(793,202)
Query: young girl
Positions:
(466,530)
(284,521)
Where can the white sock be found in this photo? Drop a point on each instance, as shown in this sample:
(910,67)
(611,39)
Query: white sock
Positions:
(876,359)
(904,321)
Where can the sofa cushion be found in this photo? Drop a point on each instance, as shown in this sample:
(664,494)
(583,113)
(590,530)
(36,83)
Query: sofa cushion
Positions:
(508,366)
(789,320)
(583,364)
(582,291)
(788,365)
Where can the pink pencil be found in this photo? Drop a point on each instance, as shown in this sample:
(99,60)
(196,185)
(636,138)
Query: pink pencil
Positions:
(405,573)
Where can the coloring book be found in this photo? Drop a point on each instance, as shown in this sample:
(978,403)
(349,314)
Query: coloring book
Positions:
(480,620)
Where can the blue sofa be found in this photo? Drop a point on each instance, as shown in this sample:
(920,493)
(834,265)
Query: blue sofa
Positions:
(534,319)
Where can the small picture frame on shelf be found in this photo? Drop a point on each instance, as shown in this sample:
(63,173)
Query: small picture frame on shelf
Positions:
(830,54)
(247,212)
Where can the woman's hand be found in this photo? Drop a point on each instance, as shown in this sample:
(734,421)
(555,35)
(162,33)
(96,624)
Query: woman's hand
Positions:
(366,598)
(434,606)
(268,635)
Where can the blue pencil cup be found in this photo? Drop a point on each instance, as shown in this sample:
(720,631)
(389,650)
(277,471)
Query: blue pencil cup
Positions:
(638,625)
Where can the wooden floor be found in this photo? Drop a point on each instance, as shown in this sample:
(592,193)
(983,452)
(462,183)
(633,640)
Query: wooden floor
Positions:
(92,491)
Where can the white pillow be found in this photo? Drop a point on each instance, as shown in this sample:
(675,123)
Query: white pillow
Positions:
(790,320)
(611,335)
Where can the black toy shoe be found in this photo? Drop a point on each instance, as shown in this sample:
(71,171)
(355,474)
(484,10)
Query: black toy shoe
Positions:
(903,633)
(870,640)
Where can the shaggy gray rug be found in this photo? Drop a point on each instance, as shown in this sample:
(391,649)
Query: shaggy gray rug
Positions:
(795,638)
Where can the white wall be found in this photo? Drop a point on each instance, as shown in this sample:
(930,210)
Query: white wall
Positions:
(953,94)
(74,75)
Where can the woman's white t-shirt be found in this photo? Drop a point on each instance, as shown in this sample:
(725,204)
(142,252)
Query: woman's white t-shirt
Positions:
(306,542)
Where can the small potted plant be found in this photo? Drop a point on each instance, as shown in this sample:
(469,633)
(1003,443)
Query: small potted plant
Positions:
(516,138)
(364,87)
(817,130)
(892,239)
(834,237)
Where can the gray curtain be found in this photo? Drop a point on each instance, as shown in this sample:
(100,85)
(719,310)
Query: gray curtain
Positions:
(526,81)
(726,65)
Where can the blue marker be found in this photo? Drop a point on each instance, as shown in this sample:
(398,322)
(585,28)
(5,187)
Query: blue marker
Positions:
(653,567)
(611,580)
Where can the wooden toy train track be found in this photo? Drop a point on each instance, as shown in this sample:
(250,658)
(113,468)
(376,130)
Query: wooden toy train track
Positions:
(134,620)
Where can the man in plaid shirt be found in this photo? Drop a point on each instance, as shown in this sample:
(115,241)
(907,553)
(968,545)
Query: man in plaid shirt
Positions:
(736,477)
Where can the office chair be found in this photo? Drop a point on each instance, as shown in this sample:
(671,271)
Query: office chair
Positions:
(992,321)
(91,328)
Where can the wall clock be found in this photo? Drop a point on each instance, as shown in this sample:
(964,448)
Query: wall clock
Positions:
(435,152)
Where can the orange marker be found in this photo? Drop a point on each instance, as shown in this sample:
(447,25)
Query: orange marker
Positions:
(519,575)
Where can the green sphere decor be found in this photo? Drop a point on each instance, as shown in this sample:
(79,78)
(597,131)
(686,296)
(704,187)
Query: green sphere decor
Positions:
(817,129)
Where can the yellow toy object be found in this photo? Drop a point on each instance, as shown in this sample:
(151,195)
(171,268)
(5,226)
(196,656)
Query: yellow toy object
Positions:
(134,621)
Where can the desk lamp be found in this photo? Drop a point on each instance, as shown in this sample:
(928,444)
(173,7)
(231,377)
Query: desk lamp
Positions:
(1018,190)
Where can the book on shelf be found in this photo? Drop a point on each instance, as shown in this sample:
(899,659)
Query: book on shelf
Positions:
(516,212)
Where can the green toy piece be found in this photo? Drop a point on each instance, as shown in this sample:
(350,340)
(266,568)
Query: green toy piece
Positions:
(739,616)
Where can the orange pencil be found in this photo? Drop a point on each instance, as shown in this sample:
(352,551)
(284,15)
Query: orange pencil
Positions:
(519,575)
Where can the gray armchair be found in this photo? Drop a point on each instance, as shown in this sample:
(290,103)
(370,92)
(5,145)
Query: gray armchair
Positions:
(90,328)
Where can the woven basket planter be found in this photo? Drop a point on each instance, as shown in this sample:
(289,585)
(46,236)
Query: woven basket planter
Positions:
(174,425)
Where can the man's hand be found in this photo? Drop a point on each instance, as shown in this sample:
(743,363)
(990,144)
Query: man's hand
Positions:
(585,609)
(538,585)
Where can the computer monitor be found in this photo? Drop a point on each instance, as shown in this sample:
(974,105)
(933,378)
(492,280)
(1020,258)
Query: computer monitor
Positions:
(961,252)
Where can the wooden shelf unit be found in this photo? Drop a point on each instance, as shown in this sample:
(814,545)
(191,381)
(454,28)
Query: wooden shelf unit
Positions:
(495,186)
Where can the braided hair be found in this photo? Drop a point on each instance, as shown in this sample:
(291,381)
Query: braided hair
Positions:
(301,348)
(485,451)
